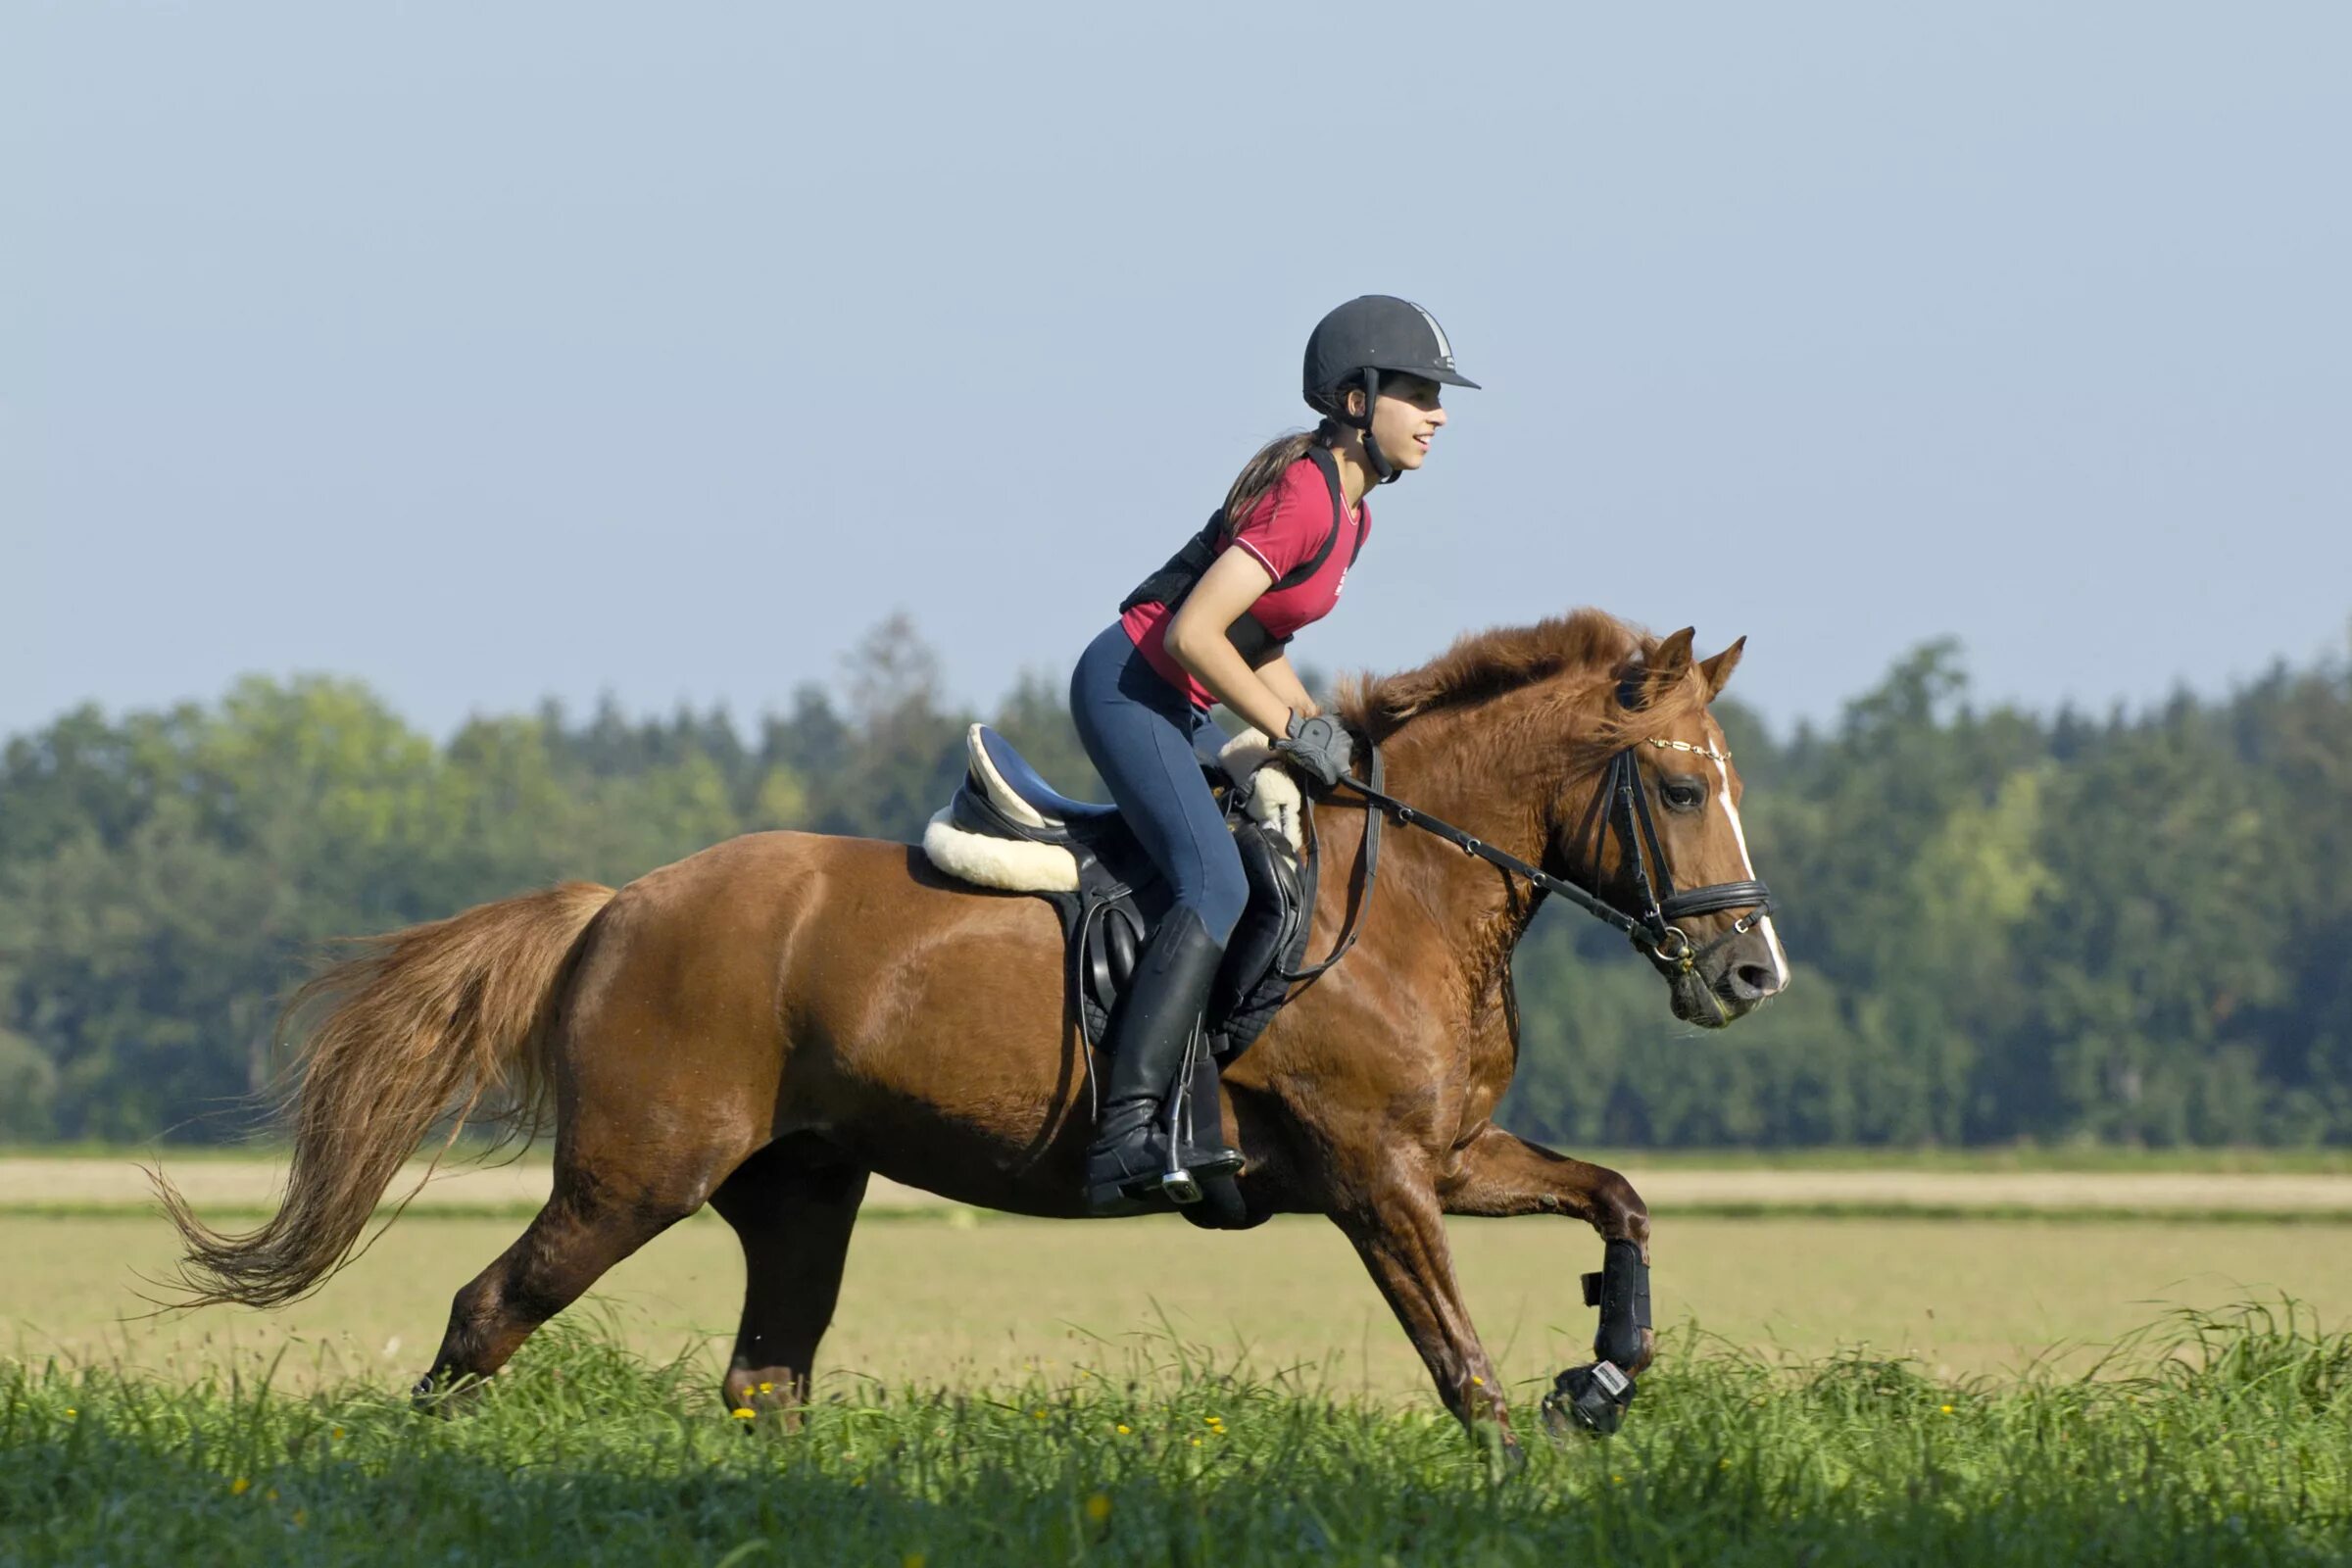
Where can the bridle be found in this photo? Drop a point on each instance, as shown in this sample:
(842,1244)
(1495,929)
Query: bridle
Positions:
(1619,806)
(1638,845)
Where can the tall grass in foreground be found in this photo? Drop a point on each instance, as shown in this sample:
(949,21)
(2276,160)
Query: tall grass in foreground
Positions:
(2206,1439)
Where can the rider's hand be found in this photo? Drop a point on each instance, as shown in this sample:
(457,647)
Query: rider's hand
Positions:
(1319,747)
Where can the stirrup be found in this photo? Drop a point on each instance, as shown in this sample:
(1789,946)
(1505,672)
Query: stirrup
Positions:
(1181,1182)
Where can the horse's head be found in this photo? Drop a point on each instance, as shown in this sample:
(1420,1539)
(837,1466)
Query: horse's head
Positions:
(1659,835)
(1584,741)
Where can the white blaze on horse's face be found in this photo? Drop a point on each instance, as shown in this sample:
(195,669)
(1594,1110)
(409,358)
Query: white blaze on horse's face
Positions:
(1740,965)
(1747,866)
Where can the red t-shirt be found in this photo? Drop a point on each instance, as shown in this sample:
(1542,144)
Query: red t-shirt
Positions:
(1284,530)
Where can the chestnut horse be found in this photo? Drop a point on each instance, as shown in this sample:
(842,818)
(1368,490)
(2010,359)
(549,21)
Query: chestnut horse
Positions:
(763,1025)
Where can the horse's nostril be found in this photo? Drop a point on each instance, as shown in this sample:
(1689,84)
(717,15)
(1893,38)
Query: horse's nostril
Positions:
(1755,979)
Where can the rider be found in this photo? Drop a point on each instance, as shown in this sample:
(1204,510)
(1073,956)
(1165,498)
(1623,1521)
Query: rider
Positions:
(1211,627)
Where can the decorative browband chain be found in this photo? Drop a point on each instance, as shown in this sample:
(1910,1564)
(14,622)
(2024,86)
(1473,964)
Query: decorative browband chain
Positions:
(1620,806)
(1707,752)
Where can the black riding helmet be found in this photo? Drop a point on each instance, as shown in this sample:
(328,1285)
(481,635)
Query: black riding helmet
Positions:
(1361,339)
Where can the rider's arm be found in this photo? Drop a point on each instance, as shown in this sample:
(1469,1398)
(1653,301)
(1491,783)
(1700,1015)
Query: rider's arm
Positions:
(1284,682)
(1196,640)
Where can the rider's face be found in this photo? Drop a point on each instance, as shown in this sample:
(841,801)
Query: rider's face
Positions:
(1406,418)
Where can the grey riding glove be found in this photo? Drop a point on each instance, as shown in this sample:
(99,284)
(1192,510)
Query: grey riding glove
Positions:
(1319,747)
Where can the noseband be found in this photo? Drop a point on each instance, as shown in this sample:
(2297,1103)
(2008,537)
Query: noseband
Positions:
(1619,806)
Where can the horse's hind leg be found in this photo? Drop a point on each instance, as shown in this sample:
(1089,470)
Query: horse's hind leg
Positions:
(593,1218)
(793,1213)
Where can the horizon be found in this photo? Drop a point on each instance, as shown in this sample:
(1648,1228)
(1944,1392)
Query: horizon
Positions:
(2325,664)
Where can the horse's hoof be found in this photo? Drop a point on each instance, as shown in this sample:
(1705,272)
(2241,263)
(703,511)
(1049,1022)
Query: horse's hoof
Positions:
(447,1397)
(1590,1400)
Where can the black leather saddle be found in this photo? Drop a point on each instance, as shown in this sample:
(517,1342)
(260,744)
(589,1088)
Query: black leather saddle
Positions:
(1121,896)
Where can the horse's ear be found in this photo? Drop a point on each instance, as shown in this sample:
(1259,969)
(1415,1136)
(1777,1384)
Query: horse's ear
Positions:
(1661,671)
(1672,662)
(1717,671)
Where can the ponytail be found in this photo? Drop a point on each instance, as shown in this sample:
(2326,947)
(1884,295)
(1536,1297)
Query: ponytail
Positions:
(1259,475)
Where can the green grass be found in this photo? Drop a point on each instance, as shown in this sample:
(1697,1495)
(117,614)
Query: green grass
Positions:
(2209,1439)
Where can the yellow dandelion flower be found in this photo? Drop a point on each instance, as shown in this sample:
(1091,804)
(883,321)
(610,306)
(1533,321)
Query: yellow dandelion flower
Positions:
(1124,1428)
(1947,1410)
(1196,1443)
(336,1435)
(913,1560)
(239,1486)
(1616,1481)
(1040,1414)
(767,1388)
(69,1410)
(1097,1507)
(1215,1420)
(744,1413)
(1476,1381)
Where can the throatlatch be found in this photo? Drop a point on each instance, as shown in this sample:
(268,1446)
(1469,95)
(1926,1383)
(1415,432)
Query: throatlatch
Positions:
(1593,1398)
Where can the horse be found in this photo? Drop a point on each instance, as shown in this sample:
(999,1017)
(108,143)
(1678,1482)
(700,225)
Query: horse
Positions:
(764,1025)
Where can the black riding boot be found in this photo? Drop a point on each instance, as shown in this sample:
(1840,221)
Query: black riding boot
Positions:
(1156,1020)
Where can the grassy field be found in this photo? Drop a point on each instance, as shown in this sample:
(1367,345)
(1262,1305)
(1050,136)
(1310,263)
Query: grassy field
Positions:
(2216,1442)
(981,1366)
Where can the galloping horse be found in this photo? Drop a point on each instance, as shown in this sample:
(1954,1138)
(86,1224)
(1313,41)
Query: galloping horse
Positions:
(763,1025)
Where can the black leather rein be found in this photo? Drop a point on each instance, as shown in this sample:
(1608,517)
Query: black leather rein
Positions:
(1619,805)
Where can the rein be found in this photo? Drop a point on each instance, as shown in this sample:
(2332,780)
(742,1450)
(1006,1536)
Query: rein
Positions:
(1621,806)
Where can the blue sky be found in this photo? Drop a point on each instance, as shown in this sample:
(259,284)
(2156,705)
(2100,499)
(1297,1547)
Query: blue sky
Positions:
(490,351)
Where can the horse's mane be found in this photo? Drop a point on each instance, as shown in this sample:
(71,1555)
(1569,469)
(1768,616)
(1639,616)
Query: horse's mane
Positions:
(1508,659)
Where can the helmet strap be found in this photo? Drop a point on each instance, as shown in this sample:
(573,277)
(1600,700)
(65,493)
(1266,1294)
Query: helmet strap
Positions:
(1382,470)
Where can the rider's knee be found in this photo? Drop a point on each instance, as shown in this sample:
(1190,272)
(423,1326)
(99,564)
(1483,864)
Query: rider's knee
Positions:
(1220,916)
(1223,894)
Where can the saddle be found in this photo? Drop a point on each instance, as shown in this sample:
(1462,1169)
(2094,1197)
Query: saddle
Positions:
(1007,828)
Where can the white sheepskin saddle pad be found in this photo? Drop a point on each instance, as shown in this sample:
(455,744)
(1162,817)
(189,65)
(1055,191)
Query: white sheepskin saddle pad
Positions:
(1019,866)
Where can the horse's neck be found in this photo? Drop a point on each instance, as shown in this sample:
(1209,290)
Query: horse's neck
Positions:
(1437,765)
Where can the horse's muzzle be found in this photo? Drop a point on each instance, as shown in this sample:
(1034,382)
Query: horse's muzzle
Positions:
(1696,1001)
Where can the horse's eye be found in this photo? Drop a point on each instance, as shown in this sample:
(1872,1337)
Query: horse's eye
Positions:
(1684,794)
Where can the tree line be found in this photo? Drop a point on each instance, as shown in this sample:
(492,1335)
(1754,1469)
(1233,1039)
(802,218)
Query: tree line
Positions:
(2004,925)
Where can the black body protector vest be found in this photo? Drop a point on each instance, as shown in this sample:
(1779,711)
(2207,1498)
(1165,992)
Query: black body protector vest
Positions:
(1248,635)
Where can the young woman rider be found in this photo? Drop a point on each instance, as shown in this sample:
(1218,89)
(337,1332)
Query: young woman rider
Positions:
(1211,627)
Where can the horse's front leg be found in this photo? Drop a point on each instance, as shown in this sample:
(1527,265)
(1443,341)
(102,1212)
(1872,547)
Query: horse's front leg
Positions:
(1399,1231)
(1499,1175)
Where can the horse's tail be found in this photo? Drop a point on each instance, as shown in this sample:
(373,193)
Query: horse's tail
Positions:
(434,1020)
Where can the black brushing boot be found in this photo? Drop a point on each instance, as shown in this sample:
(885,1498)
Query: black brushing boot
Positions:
(1156,1019)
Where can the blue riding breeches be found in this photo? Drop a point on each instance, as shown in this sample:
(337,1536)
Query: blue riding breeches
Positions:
(1139,731)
